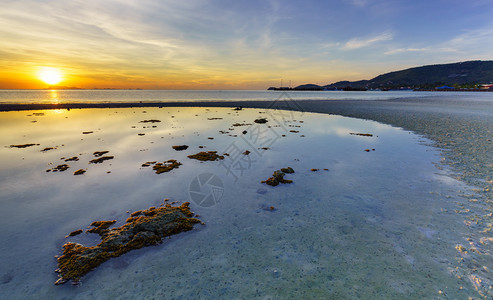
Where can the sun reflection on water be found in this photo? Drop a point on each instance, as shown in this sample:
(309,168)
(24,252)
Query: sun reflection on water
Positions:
(54,97)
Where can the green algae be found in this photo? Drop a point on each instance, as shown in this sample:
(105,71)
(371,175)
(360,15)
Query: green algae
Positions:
(146,228)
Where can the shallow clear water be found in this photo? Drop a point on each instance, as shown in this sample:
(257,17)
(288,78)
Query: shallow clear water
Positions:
(111,96)
(377,224)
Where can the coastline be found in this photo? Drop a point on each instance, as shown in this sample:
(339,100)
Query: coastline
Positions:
(462,128)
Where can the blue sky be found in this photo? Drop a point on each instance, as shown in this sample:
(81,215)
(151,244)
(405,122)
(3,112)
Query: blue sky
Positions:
(235,44)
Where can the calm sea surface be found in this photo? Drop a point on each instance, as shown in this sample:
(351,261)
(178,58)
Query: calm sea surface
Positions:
(109,96)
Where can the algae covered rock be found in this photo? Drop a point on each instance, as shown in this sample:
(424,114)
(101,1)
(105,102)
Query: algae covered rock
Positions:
(278,177)
(206,155)
(166,166)
(144,228)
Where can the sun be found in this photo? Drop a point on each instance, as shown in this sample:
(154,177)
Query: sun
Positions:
(50,75)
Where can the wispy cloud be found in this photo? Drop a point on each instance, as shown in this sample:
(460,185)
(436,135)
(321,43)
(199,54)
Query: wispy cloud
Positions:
(357,43)
(403,50)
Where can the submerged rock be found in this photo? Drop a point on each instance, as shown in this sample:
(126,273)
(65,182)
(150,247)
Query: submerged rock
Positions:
(206,155)
(148,227)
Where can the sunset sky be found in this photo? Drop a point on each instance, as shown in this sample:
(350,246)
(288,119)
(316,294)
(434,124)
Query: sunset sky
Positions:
(225,44)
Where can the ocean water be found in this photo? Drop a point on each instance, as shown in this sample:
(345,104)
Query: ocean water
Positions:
(112,96)
(380,223)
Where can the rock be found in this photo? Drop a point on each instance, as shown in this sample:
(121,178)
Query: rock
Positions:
(260,121)
(79,172)
(147,228)
(166,166)
(74,233)
(180,147)
(150,121)
(23,145)
(206,155)
(99,153)
(361,134)
(278,177)
(101,159)
(59,168)
(287,170)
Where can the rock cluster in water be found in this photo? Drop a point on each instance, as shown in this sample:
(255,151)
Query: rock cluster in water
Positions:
(206,155)
(278,177)
(143,228)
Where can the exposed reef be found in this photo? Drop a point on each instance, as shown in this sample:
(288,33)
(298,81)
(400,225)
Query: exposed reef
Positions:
(74,233)
(241,124)
(180,147)
(166,166)
(23,145)
(206,155)
(145,228)
(278,177)
(59,168)
(47,149)
(79,172)
(101,159)
(361,134)
(99,153)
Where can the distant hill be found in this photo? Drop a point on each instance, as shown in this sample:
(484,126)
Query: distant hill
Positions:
(462,74)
